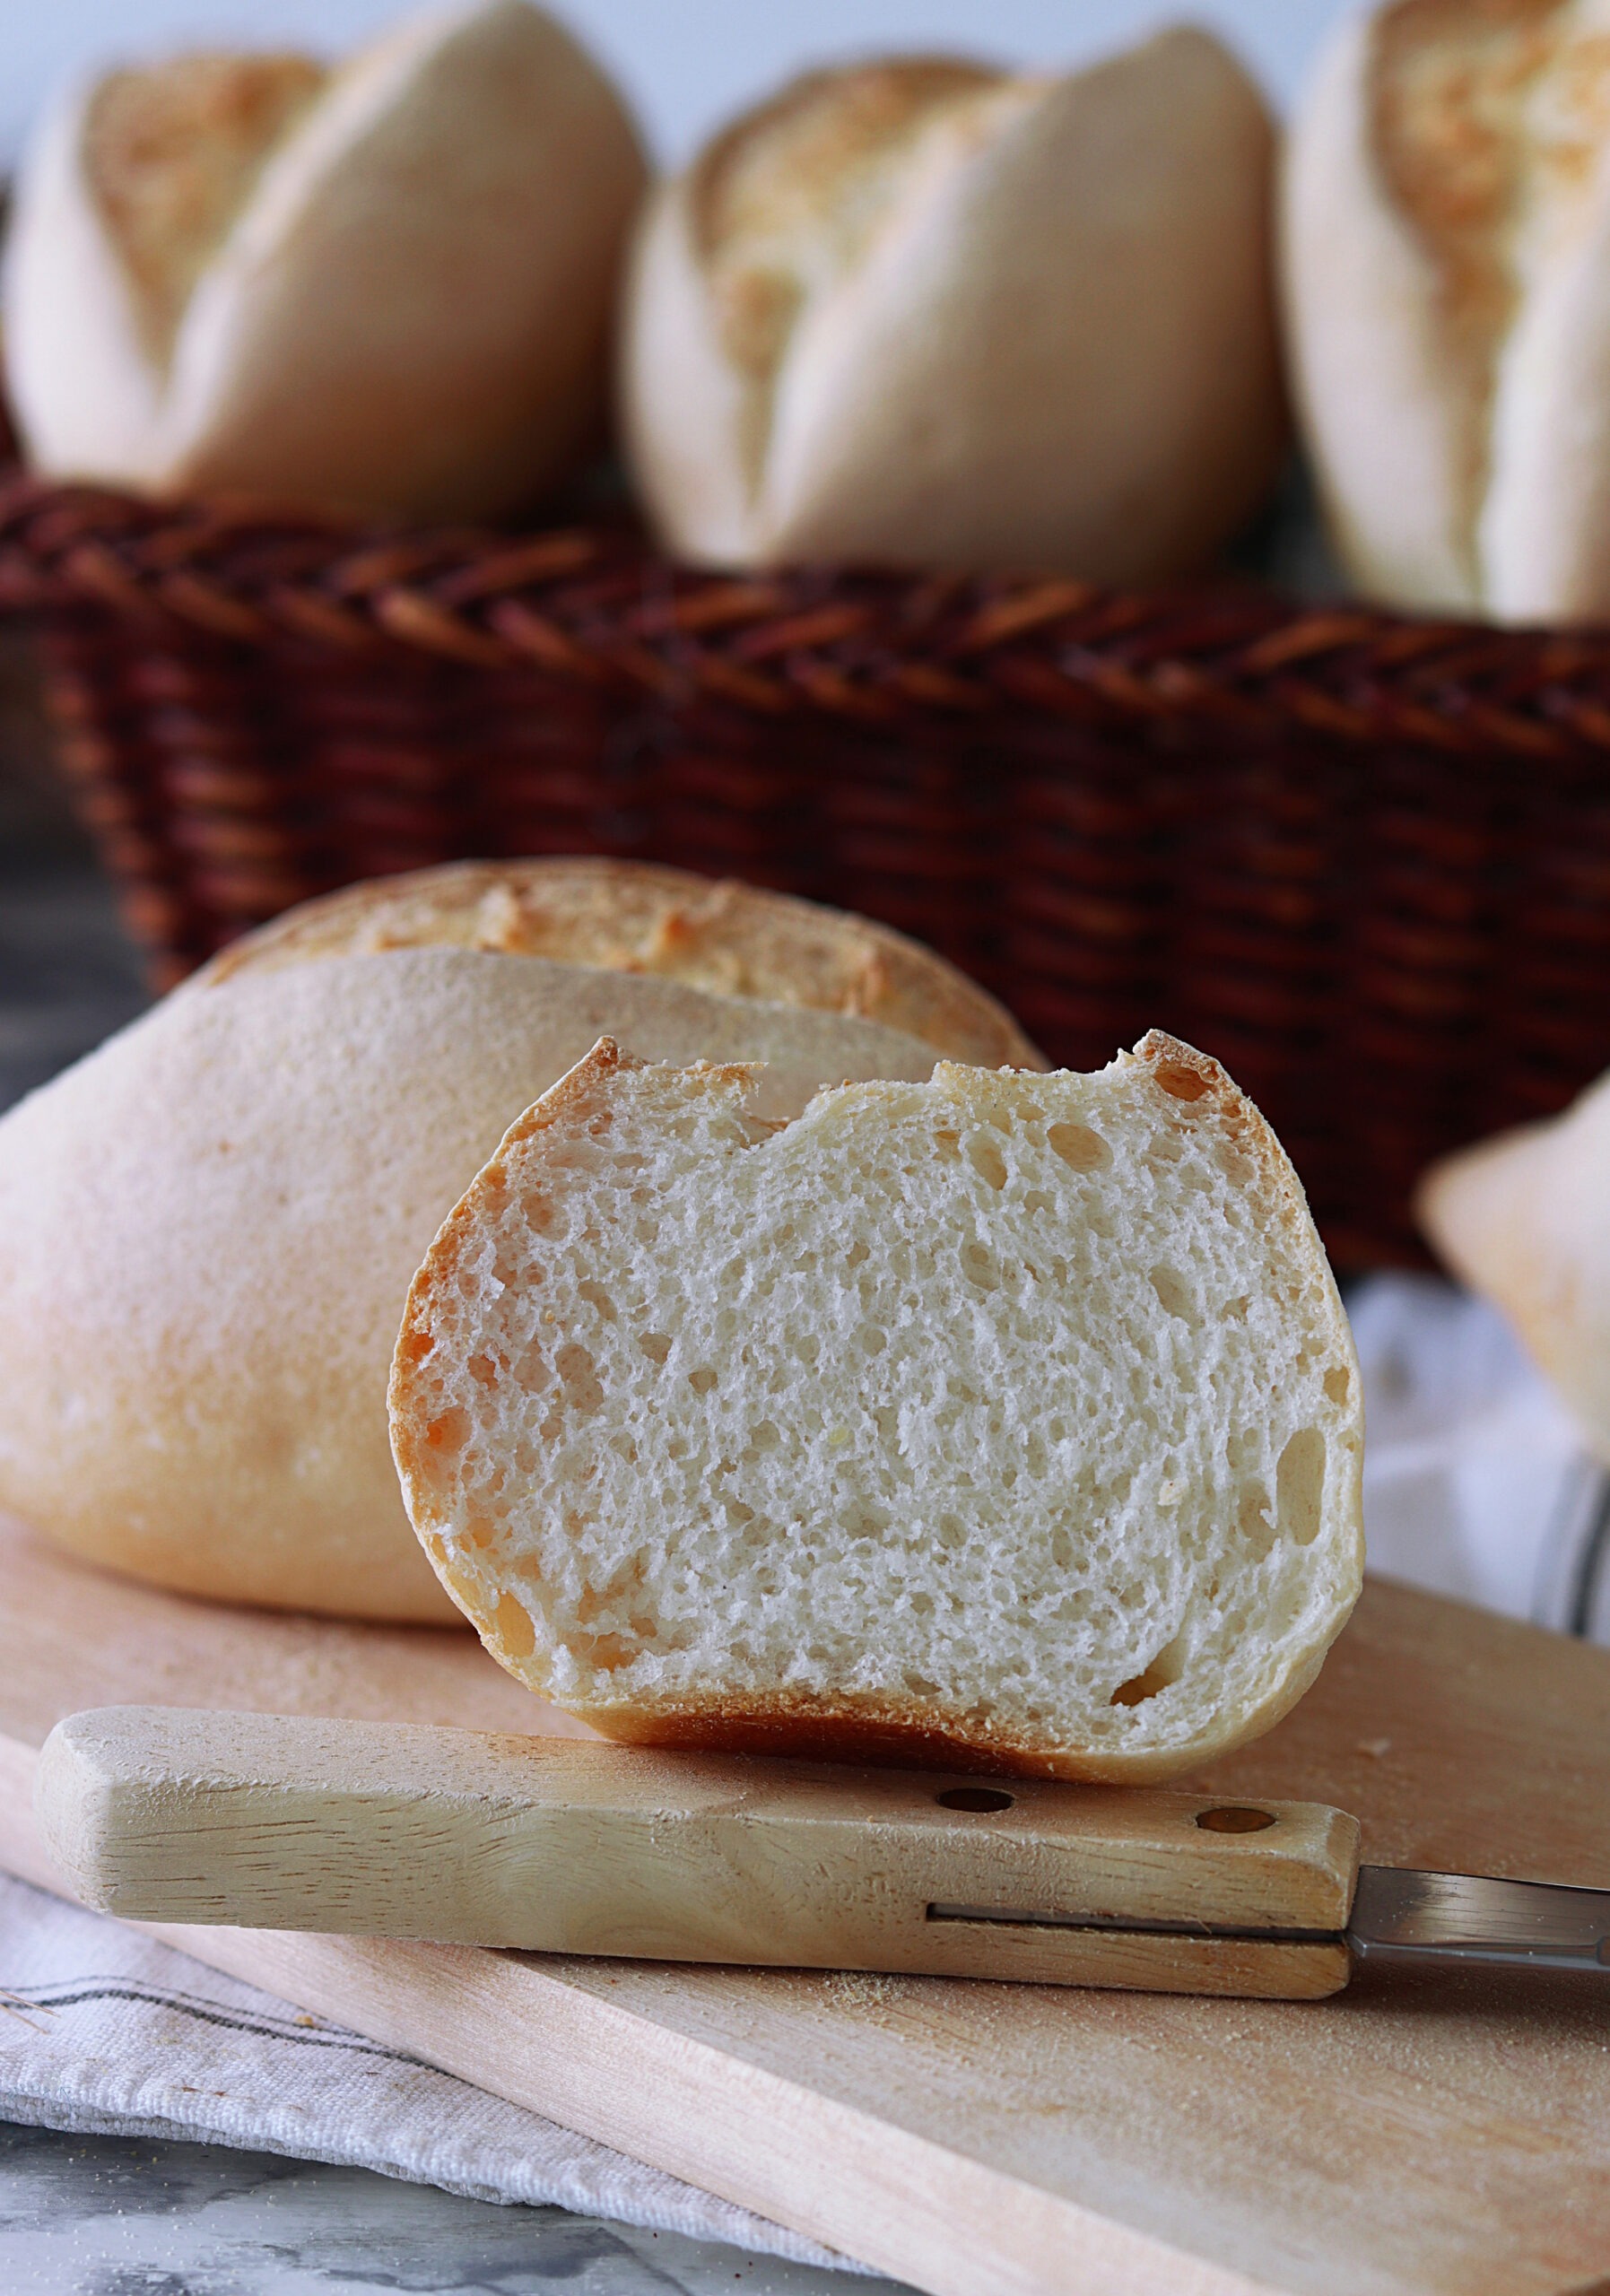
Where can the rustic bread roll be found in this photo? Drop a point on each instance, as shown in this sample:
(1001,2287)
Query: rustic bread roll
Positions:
(1010,1420)
(207,1231)
(636,917)
(918,312)
(381,287)
(1526,1220)
(1447,226)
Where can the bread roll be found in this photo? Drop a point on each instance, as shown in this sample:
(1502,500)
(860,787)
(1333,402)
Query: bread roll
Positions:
(1526,1220)
(1446,230)
(385,287)
(920,313)
(1007,1420)
(635,917)
(207,1231)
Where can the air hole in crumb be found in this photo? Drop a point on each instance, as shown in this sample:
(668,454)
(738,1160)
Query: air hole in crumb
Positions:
(949,1144)
(511,1622)
(579,1376)
(988,1162)
(978,1267)
(596,1297)
(449,1431)
(1254,1518)
(1080,1148)
(1180,1082)
(1339,1384)
(1300,1486)
(1164,1671)
(1174,1293)
(655,1344)
(702,1380)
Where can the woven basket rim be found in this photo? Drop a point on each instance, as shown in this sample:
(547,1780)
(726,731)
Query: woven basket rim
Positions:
(597,604)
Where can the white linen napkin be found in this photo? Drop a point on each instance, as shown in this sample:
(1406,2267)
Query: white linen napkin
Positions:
(1476,1482)
(107,2032)
(1476,1485)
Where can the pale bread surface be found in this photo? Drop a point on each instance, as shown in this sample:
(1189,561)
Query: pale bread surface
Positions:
(1447,262)
(1007,1420)
(1525,1219)
(383,287)
(638,917)
(208,1229)
(918,313)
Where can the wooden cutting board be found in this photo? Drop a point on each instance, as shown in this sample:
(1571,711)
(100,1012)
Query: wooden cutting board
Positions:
(1447,2137)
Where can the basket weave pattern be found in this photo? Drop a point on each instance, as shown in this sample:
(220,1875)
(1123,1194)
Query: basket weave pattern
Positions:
(1364,861)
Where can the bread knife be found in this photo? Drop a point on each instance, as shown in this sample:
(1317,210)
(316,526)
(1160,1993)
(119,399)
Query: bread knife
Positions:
(560,1846)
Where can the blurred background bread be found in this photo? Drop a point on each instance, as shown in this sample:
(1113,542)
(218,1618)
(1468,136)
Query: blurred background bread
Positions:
(1525,1219)
(386,286)
(1447,258)
(924,313)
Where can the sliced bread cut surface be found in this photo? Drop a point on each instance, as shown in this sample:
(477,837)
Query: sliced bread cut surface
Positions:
(1009,1419)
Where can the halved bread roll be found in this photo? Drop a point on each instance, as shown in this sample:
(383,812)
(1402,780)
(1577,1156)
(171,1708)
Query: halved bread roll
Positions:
(386,286)
(1005,1420)
(1525,1219)
(638,916)
(208,1227)
(1447,227)
(917,312)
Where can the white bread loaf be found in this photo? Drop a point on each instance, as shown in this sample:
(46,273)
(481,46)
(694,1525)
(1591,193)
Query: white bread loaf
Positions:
(208,1227)
(1525,1219)
(638,916)
(383,287)
(1447,261)
(920,313)
(1010,1419)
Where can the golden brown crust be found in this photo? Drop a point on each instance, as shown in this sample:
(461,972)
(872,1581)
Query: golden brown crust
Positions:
(816,157)
(719,935)
(1469,156)
(845,1730)
(171,156)
(804,1730)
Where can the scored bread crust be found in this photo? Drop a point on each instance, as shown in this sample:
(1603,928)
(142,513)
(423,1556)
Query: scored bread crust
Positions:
(638,916)
(1447,244)
(496,1592)
(908,313)
(397,299)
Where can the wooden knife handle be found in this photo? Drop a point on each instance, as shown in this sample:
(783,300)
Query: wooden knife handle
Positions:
(390,1829)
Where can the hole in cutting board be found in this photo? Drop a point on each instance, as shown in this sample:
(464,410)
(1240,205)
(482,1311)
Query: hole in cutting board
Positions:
(974,1798)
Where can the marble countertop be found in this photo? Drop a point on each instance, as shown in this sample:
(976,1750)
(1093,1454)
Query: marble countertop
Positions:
(115,2216)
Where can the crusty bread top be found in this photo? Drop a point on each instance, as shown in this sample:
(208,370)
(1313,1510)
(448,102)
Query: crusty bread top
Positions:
(171,154)
(1484,126)
(733,939)
(788,196)
(1006,1420)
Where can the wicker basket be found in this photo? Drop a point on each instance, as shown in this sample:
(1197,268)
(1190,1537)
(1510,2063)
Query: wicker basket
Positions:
(1365,861)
